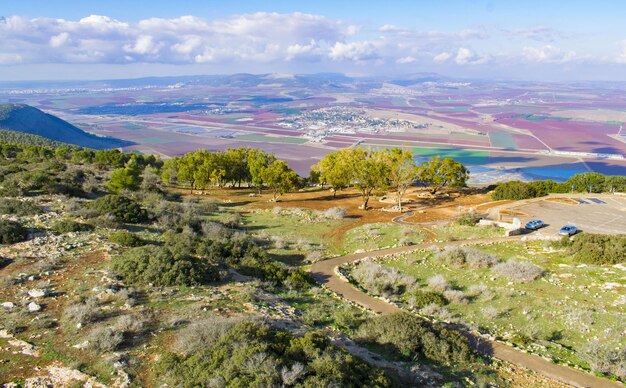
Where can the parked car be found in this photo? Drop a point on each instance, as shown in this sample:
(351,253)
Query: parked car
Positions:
(568,230)
(535,224)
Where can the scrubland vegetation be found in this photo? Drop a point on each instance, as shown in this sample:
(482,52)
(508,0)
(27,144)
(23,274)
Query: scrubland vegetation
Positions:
(109,272)
(536,295)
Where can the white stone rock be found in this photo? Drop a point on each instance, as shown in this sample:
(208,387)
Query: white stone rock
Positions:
(34,307)
(8,305)
(37,292)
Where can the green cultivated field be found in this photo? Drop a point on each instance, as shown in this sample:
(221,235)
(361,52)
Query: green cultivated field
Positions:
(463,156)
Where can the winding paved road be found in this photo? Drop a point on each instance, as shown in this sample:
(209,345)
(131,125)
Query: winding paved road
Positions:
(324,273)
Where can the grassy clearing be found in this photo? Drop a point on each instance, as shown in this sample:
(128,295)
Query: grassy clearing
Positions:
(555,316)
(380,235)
(455,232)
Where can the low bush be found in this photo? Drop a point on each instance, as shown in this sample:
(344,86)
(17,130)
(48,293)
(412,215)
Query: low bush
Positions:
(18,208)
(598,248)
(335,213)
(82,313)
(465,257)
(126,239)
(120,207)
(162,267)
(202,334)
(12,232)
(519,272)
(105,339)
(419,299)
(439,283)
(380,280)
(468,219)
(413,337)
(276,273)
(455,296)
(254,354)
(67,226)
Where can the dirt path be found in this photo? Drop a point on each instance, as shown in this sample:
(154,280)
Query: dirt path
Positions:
(324,272)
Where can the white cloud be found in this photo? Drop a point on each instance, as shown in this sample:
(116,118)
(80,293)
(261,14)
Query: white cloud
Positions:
(465,56)
(442,57)
(59,40)
(143,45)
(547,54)
(355,51)
(405,60)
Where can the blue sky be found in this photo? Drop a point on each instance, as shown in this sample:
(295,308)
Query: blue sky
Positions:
(544,40)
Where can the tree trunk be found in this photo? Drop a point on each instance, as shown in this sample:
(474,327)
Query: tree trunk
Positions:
(334,193)
(399,202)
(365,201)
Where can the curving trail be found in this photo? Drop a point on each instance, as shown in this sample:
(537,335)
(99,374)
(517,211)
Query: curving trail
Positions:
(324,273)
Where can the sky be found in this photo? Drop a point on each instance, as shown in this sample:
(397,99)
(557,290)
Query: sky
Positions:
(545,40)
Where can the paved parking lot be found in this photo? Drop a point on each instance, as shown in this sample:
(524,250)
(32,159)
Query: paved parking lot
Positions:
(604,214)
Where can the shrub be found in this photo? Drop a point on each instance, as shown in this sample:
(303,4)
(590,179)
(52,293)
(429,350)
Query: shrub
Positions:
(204,333)
(82,313)
(455,296)
(465,257)
(126,239)
(414,337)
(253,354)
(67,226)
(120,207)
(161,267)
(335,213)
(520,272)
(18,208)
(380,280)
(105,339)
(598,248)
(605,358)
(469,219)
(439,283)
(12,232)
(276,273)
(419,299)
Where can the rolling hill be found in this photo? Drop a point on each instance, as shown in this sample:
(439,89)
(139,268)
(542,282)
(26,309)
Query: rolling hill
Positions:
(27,119)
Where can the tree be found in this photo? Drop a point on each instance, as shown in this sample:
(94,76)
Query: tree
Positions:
(150,180)
(369,171)
(169,171)
(279,178)
(334,169)
(236,163)
(587,181)
(127,178)
(615,183)
(438,173)
(402,171)
(258,160)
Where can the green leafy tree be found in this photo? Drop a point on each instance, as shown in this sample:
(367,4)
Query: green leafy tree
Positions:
(587,182)
(279,178)
(258,160)
(438,173)
(335,170)
(169,171)
(402,172)
(369,172)
(127,178)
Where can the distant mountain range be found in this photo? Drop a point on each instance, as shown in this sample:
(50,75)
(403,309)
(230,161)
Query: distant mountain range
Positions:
(27,119)
(313,81)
